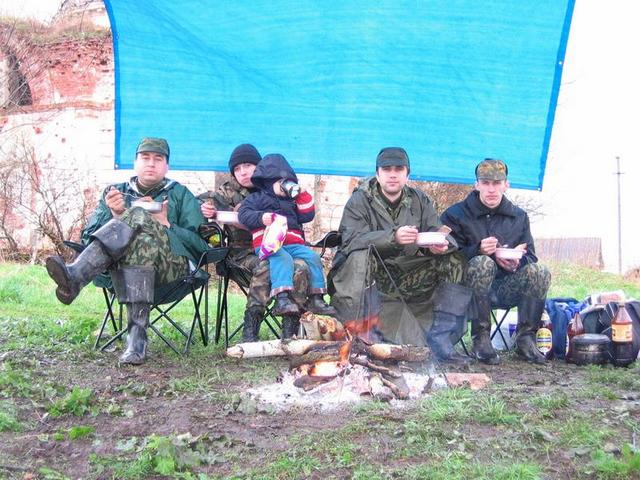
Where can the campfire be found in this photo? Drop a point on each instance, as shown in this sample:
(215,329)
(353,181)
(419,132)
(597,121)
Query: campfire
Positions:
(343,361)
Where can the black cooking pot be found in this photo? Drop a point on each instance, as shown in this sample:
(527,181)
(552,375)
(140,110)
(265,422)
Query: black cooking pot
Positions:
(590,349)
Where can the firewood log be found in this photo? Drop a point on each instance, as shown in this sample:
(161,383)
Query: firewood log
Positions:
(309,382)
(397,384)
(378,390)
(378,351)
(273,348)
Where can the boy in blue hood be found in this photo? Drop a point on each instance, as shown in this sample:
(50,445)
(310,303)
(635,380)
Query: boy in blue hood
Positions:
(272,177)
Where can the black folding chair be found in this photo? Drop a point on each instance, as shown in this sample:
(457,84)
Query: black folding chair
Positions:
(497,322)
(195,283)
(229,271)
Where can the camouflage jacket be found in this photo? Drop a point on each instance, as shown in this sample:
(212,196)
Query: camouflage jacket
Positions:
(368,220)
(184,216)
(228,196)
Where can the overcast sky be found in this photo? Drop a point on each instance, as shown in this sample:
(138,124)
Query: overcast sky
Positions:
(42,10)
(597,119)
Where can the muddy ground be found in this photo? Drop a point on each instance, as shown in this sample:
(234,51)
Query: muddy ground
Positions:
(198,402)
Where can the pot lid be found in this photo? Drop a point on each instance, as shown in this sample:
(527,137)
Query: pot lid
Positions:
(591,339)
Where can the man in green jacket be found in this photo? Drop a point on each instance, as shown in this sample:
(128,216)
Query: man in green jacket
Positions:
(145,246)
(387,214)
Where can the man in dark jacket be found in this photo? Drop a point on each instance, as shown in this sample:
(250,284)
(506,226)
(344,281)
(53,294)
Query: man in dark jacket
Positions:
(145,247)
(386,214)
(485,221)
(229,196)
(274,196)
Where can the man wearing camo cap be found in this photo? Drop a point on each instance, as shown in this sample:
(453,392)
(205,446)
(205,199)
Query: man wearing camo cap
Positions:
(151,247)
(481,223)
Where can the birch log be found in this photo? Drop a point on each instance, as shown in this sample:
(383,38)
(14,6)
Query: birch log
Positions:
(281,348)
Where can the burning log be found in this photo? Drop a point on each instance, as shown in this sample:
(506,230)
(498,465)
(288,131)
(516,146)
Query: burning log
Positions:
(317,362)
(407,353)
(372,366)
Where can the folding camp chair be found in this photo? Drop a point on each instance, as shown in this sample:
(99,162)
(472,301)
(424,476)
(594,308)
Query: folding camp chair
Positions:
(229,271)
(497,322)
(196,283)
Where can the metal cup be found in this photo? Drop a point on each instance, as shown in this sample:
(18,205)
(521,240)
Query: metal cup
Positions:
(290,188)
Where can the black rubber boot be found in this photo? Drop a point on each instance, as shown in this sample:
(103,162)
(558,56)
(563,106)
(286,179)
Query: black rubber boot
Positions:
(290,326)
(284,305)
(316,304)
(450,302)
(481,331)
(109,244)
(252,320)
(134,288)
(529,314)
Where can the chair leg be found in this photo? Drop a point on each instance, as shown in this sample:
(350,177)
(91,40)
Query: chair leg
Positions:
(498,323)
(109,299)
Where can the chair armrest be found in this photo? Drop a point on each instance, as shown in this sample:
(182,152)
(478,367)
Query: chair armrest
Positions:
(331,239)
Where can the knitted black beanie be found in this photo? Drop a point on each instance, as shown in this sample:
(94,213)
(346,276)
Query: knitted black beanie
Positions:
(245,153)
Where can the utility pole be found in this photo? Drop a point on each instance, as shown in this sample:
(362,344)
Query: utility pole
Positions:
(618,174)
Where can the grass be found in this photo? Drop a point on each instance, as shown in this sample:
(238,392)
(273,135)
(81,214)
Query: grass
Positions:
(579,282)
(34,318)
(531,429)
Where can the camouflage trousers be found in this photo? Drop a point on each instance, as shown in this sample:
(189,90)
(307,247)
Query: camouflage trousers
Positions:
(531,280)
(417,278)
(260,286)
(151,247)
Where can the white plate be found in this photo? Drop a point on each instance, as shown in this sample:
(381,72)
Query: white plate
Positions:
(509,253)
(224,216)
(428,239)
(151,207)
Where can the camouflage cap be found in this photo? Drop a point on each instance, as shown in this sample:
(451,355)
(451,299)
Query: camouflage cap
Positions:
(392,157)
(491,169)
(157,145)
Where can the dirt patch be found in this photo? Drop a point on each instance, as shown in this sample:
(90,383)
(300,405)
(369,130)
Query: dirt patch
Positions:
(202,396)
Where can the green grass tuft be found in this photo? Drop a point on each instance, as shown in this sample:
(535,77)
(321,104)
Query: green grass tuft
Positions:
(9,418)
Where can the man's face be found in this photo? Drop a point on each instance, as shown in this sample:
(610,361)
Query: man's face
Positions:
(392,179)
(243,172)
(491,191)
(151,168)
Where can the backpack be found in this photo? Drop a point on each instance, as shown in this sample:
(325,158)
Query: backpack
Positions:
(561,311)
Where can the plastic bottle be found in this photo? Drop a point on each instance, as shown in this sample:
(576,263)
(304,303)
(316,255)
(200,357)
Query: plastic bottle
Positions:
(622,338)
(544,336)
(576,327)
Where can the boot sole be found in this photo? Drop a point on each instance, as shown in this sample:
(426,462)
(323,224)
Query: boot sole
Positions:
(58,272)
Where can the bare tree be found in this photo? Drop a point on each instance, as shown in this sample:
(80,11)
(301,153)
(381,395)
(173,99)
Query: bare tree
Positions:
(443,194)
(47,198)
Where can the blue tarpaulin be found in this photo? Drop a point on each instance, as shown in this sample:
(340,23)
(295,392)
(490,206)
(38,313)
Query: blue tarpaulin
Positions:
(329,83)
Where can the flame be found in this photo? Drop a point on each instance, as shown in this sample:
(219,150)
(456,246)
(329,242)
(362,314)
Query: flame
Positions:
(362,327)
(345,352)
(325,369)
